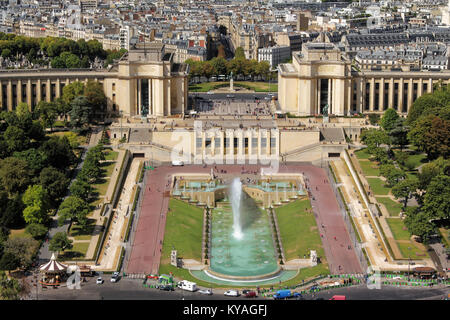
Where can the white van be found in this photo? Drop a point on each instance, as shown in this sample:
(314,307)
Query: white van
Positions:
(187,285)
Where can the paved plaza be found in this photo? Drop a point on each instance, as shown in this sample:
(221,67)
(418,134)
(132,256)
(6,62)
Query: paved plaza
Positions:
(146,249)
(233,107)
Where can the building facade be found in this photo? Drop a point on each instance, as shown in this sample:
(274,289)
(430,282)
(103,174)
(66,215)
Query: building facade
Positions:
(321,75)
(145,82)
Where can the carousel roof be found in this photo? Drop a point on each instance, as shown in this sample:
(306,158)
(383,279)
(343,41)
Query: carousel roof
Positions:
(53,265)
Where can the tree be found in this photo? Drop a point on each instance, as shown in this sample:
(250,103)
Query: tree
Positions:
(74,209)
(58,63)
(81,188)
(55,182)
(80,113)
(58,151)
(379,154)
(399,133)
(24,249)
(219,65)
(48,112)
(431,170)
(431,135)
(418,224)
(437,198)
(95,96)
(71,60)
(62,107)
(389,119)
(374,137)
(72,91)
(263,69)
(405,190)
(9,262)
(37,204)
(208,70)
(10,289)
(36,159)
(16,139)
(14,175)
(60,242)
(11,215)
(37,230)
(239,53)
(435,103)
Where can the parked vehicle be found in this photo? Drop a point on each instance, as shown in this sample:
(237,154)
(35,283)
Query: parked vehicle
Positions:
(115,277)
(207,292)
(231,293)
(187,285)
(250,294)
(285,294)
(338,297)
(99,280)
(166,288)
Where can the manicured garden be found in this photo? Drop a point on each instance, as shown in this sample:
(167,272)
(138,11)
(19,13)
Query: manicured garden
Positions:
(377,186)
(407,247)
(369,168)
(399,231)
(394,208)
(298,230)
(184,228)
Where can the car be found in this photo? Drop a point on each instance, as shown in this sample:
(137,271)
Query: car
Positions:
(210,92)
(115,277)
(177,163)
(251,294)
(166,288)
(338,297)
(231,293)
(207,292)
(230,96)
(99,280)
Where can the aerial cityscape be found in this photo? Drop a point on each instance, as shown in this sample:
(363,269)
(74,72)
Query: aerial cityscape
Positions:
(224,150)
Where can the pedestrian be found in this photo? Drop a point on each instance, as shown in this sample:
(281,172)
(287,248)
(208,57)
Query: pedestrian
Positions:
(335,238)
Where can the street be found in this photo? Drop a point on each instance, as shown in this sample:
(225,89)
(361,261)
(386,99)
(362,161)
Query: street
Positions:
(132,289)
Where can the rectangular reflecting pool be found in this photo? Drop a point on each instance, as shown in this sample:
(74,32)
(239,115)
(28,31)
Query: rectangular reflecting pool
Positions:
(250,256)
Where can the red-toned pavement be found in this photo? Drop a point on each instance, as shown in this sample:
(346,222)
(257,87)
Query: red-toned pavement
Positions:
(146,249)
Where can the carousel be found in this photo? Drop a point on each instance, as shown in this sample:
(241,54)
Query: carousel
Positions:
(52,273)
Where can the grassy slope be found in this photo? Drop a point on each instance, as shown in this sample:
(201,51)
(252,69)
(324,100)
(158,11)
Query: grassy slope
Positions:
(184,227)
(298,230)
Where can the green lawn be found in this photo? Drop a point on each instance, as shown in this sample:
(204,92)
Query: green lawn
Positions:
(256,86)
(82,234)
(414,252)
(369,168)
(184,228)
(298,230)
(102,187)
(399,231)
(111,155)
(402,237)
(108,167)
(393,207)
(377,186)
(362,154)
(77,252)
(19,233)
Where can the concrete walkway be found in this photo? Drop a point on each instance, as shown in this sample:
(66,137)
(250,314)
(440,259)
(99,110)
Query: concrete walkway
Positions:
(361,217)
(114,241)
